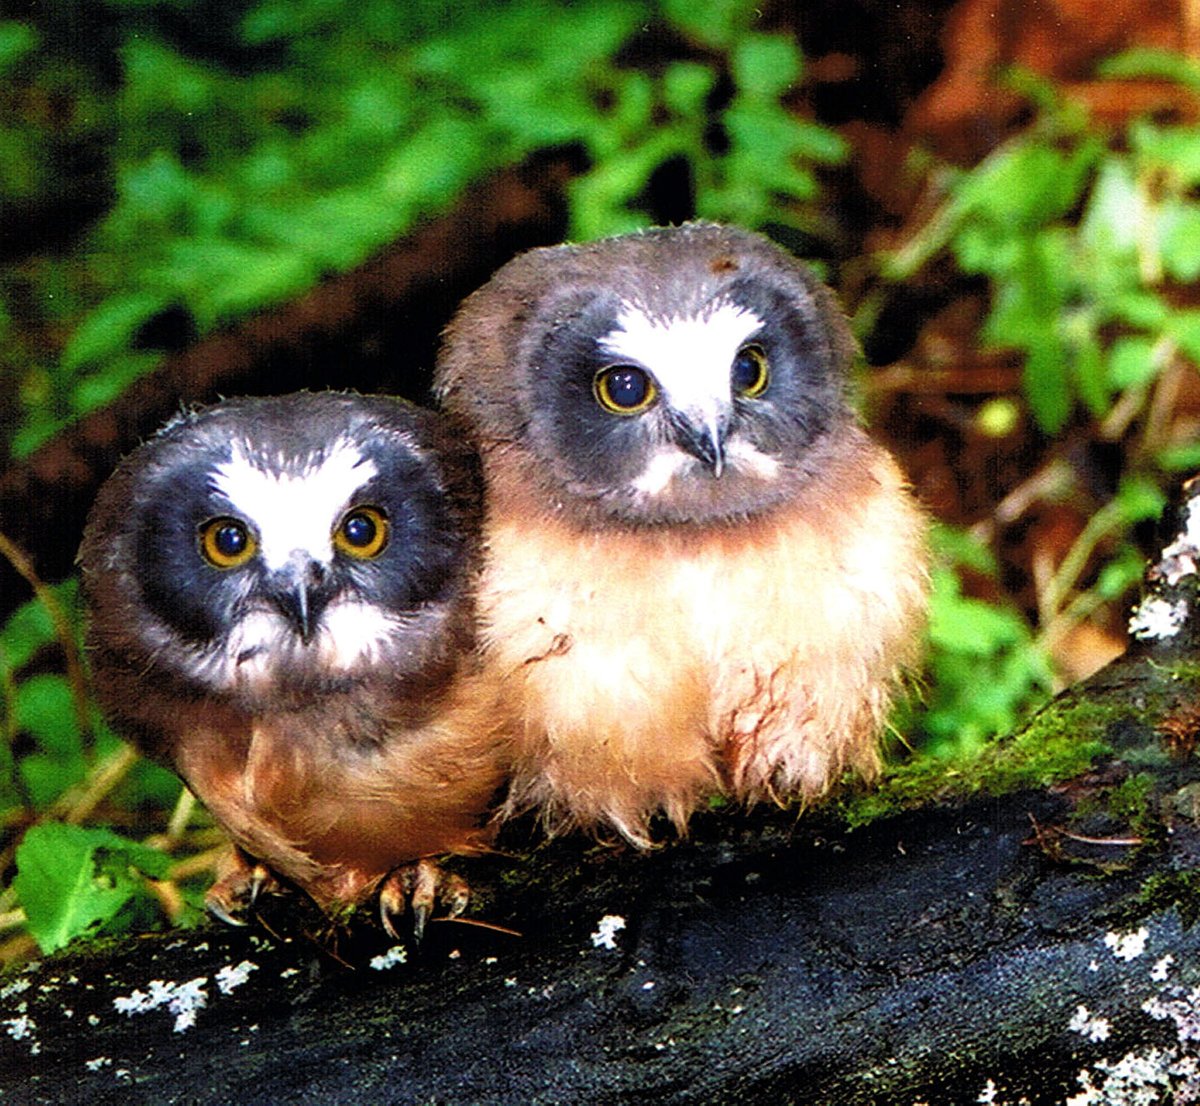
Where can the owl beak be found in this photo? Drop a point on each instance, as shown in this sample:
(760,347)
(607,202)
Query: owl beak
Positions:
(301,591)
(704,438)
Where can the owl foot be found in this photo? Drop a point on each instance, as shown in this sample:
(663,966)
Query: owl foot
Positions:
(421,886)
(240,881)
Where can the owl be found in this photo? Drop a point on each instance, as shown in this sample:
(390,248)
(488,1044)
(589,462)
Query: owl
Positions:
(701,577)
(280,609)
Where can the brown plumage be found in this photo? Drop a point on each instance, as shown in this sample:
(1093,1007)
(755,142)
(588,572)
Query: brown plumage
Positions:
(319,693)
(711,591)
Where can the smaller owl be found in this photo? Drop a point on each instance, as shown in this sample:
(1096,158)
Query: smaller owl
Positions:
(280,610)
(701,576)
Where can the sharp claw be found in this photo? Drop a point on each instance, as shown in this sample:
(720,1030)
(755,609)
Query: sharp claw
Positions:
(420,917)
(240,882)
(260,877)
(391,905)
(219,911)
(420,886)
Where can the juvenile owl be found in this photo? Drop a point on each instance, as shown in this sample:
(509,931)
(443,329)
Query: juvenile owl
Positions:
(701,577)
(279,593)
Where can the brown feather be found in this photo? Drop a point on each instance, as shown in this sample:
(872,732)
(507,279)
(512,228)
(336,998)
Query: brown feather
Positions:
(755,660)
(330,786)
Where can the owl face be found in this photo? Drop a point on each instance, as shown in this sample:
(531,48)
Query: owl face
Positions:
(296,543)
(678,375)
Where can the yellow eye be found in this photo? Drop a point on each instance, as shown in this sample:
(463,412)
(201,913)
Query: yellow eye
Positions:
(624,389)
(226,542)
(362,533)
(750,374)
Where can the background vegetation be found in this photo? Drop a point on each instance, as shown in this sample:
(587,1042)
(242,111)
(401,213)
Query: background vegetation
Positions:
(171,167)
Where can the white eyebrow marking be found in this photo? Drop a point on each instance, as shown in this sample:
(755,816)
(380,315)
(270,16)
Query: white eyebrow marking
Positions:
(690,356)
(294,511)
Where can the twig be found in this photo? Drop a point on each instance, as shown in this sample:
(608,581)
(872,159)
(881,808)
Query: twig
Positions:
(62,629)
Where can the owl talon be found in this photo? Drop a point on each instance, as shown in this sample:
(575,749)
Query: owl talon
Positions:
(421,886)
(239,883)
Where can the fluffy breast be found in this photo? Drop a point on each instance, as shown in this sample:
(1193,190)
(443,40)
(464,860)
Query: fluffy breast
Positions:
(299,792)
(655,667)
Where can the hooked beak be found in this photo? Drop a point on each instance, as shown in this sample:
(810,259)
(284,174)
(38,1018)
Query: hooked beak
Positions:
(301,590)
(704,438)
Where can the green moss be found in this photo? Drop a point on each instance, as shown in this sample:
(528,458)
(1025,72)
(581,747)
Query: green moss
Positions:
(1062,741)
(1132,802)
(1179,889)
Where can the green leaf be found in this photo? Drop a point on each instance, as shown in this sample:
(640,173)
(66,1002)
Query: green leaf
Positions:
(1147,61)
(1116,210)
(45,777)
(716,23)
(16,40)
(1047,384)
(45,708)
(1139,500)
(1131,362)
(1173,151)
(1139,308)
(1087,372)
(27,630)
(959,624)
(1024,185)
(1180,458)
(1183,328)
(955,546)
(1181,242)
(686,85)
(109,328)
(70,880)
(765,66)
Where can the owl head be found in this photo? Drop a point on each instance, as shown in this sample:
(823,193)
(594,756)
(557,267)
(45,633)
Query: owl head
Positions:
(290,545)
(686,374)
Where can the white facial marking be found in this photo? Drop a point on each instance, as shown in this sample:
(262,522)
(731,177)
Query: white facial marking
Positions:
(745,457)
(350,634)
(294,511)
(664,465)
(689,356)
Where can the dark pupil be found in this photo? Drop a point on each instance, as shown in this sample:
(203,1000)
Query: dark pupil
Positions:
(626,387)
(230,540)
(747,369)
(359,530)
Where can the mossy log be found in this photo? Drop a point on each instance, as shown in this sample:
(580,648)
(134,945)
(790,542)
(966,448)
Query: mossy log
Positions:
(1020,928)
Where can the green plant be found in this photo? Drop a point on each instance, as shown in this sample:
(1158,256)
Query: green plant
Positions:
(986,669)
(58,764)
(238,186)
(1081,235)
(1088,237)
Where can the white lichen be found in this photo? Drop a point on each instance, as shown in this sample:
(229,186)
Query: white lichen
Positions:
(1157,618)
(1162,968)
(1127,946)
(181,999)
(397,954)
(20,1028)
(1180,557)
(1182,1008)
(1094,1029)
(606,931)
(232,976)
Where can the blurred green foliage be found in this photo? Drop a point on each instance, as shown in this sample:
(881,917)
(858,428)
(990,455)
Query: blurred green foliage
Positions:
(1080,233)
(268,144)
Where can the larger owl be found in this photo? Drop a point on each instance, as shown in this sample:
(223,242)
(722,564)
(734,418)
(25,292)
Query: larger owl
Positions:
(701,576)
(280,601)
